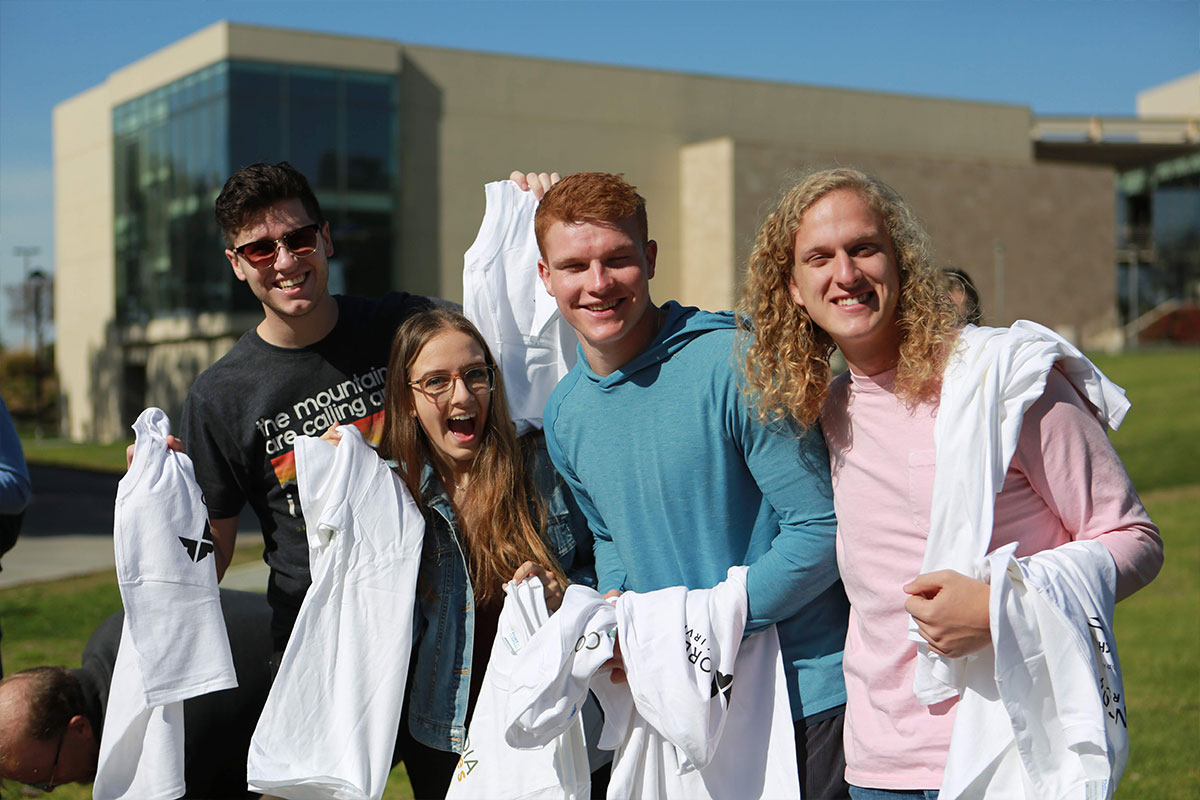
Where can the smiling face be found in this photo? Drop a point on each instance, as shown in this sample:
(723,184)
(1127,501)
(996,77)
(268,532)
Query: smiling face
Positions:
(846,277)
(294,291)
(599,274)
(454,422)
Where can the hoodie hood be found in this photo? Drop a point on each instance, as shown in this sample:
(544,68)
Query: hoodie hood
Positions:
(681,325)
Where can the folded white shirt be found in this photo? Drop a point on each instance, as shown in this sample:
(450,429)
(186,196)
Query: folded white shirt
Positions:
(1042,714)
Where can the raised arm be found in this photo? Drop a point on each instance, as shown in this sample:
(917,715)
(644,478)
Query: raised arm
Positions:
(537,182)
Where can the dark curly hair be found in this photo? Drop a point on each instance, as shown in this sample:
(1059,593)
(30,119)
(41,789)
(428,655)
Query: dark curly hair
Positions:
(251,190)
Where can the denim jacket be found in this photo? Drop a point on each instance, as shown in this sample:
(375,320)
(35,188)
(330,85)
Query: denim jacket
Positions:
(440,678)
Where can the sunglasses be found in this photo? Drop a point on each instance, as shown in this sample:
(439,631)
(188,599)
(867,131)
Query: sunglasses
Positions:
(478,380)
(301,242)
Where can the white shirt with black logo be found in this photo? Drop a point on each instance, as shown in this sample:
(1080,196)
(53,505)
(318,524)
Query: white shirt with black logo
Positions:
(173,644)
(704,713)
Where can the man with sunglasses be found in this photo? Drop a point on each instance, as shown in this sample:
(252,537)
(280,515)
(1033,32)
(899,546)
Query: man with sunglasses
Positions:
(315,360)
(52,718)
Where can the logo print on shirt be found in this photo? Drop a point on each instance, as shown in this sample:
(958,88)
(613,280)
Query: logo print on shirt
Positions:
(197,549)
(696,645)
(722,684)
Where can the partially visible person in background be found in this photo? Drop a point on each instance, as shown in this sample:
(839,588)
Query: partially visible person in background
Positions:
(51,718)
(14,487)
(964,296)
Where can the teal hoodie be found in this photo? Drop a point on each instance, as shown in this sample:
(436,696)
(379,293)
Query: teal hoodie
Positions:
(679,483)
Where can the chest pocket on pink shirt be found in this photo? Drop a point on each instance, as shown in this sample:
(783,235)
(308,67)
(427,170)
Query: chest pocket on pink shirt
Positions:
(920,487)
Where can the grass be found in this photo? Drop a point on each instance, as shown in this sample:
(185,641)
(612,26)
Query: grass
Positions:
(1158,632)
(49,623)
(1158,640)
(1160,440)
(62,453)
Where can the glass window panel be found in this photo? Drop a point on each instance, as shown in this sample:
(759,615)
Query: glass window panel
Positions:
(370,142)
(175,146)
(363,242)
(313,116)
(371,91)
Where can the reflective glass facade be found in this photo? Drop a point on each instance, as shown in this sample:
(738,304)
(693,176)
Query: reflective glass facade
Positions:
(1158,233)
(174,147)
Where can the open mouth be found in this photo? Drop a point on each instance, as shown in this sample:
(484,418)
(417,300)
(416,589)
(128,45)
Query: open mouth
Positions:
(462,427)
(856,300)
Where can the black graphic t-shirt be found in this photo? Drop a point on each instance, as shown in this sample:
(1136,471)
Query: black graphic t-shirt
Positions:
(244,412)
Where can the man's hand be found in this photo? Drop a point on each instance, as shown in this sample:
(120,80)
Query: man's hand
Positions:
(172,444)
(537,182)
(617,662)
(551,588)
(951,611)
(331,435)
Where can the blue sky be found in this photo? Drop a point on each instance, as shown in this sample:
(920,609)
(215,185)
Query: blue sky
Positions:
(1056,56)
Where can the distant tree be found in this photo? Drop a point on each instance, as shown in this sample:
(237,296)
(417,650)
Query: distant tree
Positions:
(31,303)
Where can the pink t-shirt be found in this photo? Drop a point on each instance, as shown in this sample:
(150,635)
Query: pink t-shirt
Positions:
(1065,482)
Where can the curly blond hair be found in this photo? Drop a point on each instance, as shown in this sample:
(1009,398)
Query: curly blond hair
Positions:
(786,361)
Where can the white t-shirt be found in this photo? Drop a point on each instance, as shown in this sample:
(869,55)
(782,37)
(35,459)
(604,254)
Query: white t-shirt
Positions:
(704,714)
(173,643)
(489,766)
(329,725)
(506,300)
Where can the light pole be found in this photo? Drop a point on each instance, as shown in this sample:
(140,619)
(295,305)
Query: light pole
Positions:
(38,282)
(26,254)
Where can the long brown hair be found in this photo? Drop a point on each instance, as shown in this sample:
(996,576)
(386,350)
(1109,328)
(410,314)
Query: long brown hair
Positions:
(787,361)
(502,519)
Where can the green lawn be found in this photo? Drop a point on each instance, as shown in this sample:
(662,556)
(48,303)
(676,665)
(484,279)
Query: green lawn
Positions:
(1158,640)
(1160,440)
(1158,629)
(62,453)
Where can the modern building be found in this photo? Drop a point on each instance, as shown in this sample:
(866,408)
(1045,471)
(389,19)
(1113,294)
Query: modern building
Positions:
(1156,158)
(398,141)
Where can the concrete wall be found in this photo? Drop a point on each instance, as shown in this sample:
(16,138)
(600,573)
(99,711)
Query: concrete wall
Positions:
(1037,239)
(84,289)
(489,114)
(1177,98)
(708,242)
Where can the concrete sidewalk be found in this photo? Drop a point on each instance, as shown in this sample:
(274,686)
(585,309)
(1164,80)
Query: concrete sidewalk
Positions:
(49,558)
(68,531)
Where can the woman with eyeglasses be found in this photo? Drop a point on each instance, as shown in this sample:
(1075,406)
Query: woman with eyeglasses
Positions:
(495,510)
